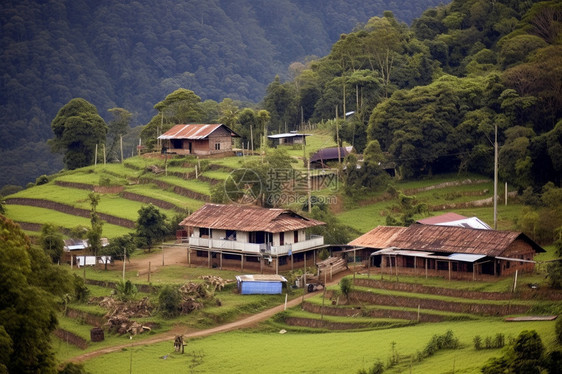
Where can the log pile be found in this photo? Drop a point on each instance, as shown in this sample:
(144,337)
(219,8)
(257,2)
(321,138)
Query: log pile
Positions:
(120,314)
(330,266)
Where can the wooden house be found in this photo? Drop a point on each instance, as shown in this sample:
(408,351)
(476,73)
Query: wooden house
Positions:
(451,252)
(251,238)
(198,139)
(329,155)
(289,138)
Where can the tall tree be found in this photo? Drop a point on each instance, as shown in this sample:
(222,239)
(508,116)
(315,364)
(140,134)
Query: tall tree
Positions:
(78,128)
(179,107)
(27,308)
(51,241)
(151,226)
(118,127)
(95,232)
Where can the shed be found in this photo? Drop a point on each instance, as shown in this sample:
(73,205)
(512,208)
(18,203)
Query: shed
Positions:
(261,284)
(289,138)
(198,139)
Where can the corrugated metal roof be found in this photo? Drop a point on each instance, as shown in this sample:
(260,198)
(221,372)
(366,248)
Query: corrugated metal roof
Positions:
(379,237)
(247,218)
(327,154)
(287,135)
(193,131)
(465,257)
(446,217)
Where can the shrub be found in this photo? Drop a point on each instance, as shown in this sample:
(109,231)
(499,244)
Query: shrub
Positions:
(345,286)
(81,292)
(42,180)
(125,290)
(377,368)
(477,342)
(169,301)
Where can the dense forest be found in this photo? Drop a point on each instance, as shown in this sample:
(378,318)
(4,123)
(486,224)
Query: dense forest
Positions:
(429,97)
(131,54)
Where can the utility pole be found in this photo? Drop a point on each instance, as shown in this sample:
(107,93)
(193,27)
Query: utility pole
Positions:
(338,137)
(496,176)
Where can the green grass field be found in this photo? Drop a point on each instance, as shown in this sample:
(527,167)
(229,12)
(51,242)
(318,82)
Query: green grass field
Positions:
(342,352)
(24,213)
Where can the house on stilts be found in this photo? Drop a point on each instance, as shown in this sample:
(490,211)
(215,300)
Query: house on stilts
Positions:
(251,238)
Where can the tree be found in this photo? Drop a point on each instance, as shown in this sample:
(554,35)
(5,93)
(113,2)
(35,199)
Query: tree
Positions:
(78,128)
(525,356)
(27,309)
(179,107)
(51,241)
(151,226)
(118,127)
(95,232)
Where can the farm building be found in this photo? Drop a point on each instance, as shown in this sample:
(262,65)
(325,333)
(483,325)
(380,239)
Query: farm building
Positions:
(250,237)
(198,139)
(289,138)
(260,284)
(326,155)
(452,252)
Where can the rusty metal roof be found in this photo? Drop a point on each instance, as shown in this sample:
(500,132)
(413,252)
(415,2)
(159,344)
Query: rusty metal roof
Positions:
(194,131)
(248,218)
(445,239)
(379,237)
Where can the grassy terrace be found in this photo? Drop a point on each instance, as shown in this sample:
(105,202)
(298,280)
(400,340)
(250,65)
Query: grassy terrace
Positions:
(503,284)
(341,352)
(24,213)
(156,192)
(439,297)
(191,184)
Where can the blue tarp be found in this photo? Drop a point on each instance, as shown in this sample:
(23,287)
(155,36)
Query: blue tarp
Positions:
(262,288)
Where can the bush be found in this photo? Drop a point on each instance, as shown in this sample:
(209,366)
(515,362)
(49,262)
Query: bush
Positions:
(42,180)
(377,368)
(477,342)
(345,286)
(81,292)
(125,290)
(169,301)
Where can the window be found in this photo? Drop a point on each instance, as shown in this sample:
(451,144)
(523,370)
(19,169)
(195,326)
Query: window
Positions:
(204,232)
(296,236)
(281,238)
(217,146)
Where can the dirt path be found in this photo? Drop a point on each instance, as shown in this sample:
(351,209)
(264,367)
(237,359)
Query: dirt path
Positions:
(177,255)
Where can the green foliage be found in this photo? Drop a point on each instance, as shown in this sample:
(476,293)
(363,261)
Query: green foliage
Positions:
(27,309)
(377,368)
(78,128)
(439,342)
(150,226)
(407,207)
(334,232)
(51,241)
(125,291)
(120,244)
(81,291)
(41,180)
(95,232)
(72,368)
(525,356)
(345,286)
(169,301)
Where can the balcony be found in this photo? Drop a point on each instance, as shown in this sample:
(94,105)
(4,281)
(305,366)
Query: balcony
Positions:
(281,250)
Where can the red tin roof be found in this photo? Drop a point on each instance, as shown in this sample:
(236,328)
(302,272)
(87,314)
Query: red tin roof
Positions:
(248,218)
(194,131)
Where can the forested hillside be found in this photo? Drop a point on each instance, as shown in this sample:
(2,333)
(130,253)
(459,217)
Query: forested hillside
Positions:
(429,97)
(131,54)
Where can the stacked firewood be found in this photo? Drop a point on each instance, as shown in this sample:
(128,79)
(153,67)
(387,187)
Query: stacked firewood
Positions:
(331,266)
(120,314)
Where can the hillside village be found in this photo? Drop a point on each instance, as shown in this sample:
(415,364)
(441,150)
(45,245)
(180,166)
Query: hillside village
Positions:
(394,206)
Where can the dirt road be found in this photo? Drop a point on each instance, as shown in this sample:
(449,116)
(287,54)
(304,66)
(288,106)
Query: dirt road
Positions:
(177,255)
